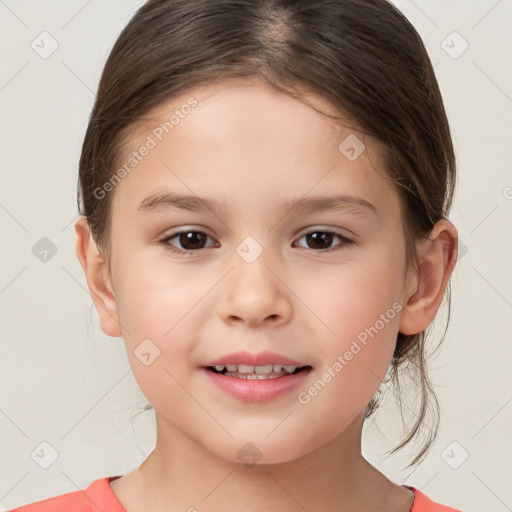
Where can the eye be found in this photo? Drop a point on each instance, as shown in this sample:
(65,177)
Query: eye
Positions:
(190,241)
(318,238)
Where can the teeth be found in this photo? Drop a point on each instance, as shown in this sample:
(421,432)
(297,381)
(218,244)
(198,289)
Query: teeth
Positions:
(264,369)
(254,376)
(256,370)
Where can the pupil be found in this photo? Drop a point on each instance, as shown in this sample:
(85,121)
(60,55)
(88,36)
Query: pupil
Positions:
(187,239)
(314,237)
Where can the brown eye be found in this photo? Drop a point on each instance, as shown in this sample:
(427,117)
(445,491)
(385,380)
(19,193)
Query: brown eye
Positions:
(321,240)
(189,240)
(192,241)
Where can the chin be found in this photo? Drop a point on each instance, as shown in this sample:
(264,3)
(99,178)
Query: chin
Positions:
(257,453)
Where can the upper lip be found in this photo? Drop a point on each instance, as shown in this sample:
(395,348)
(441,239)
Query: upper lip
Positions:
(254,358)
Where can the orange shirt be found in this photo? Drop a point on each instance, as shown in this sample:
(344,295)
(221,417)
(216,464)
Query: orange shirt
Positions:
(99,497)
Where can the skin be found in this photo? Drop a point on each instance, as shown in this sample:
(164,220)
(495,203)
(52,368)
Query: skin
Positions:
(255,147)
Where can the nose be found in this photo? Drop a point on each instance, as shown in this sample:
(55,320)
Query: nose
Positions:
(255,293)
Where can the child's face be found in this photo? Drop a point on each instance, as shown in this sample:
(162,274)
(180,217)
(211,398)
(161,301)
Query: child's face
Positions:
(254,150)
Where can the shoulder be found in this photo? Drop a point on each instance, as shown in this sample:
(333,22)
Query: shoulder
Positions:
(422,503)
(97,497)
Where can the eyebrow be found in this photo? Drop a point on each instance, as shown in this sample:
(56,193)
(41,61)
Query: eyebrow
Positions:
(310,204)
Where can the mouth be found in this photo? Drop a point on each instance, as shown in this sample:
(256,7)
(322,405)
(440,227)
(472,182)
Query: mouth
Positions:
(254,377)
(250,372)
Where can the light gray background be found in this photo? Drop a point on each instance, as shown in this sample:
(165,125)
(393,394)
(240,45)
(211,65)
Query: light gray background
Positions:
(63,381)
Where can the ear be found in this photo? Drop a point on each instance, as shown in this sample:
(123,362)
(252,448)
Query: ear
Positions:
(425,286)
(98,278)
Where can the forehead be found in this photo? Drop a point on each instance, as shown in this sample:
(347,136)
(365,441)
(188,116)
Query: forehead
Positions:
(252,93)
(244,135)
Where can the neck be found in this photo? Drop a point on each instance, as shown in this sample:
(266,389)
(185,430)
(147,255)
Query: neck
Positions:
(183,475)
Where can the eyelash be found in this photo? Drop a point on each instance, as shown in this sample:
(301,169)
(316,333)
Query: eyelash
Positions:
(345,241)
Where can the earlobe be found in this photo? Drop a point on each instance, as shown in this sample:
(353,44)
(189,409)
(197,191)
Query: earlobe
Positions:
(426,286)
(98,278)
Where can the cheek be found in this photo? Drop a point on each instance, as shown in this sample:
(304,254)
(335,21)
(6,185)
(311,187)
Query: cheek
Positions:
(363,314)
(156,296)
(352,296)
(161,308)
(358,308)
(159,344)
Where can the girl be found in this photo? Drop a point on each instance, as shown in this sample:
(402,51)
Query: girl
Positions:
(263,192)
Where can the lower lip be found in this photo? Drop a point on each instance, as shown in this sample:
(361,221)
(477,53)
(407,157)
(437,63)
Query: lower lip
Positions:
(257,390)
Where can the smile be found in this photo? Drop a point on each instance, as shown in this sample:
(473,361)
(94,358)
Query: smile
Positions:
(245,371)
(257,383)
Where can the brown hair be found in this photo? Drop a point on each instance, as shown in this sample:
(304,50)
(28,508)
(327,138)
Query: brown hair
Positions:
(363,56)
